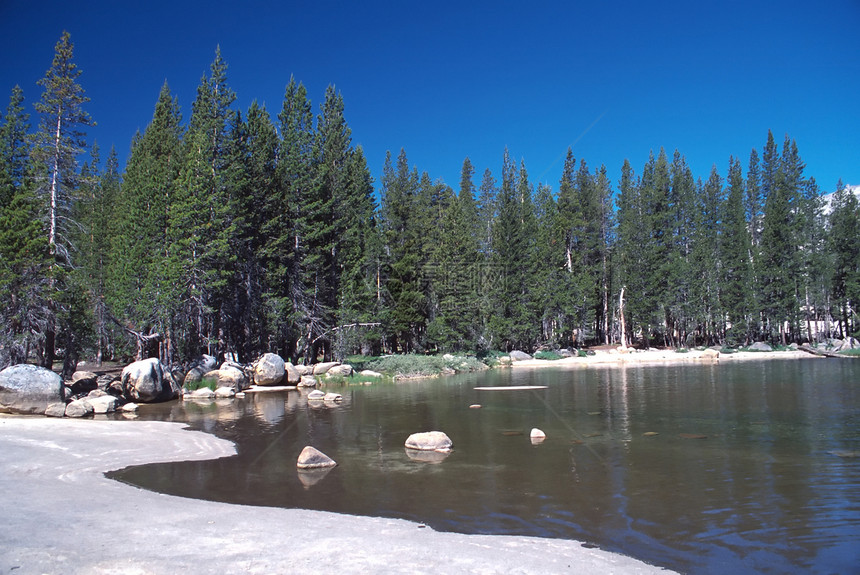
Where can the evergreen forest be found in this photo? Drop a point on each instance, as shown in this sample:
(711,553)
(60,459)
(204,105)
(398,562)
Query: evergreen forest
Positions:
(255,231)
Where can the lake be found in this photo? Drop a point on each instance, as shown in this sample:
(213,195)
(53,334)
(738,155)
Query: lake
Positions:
(731,467)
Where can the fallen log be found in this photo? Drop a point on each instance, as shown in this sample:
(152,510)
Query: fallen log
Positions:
(822,353)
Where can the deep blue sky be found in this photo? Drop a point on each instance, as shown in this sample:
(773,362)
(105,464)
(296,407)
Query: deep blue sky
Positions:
(446,80)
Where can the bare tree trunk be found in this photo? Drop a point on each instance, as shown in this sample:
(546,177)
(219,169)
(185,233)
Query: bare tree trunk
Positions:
(621,315)
(52,226)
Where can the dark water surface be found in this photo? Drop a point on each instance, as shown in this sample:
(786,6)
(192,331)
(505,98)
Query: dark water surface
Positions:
(753,467)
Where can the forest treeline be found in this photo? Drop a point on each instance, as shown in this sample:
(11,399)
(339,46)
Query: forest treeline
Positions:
(248,232)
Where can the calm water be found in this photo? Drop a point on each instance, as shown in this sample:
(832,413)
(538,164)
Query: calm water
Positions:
(747,471)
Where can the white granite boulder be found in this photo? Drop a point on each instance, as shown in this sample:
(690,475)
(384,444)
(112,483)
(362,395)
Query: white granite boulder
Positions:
(342,370)
(292,374)
(29,389)
(270,369)
(144,382)
(308,381)
(312,458)
(429,441)
(228,376)
(103,403)
(710,353)
(79,408)
(324,367)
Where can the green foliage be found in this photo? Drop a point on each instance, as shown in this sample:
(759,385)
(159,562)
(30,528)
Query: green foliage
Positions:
(202,383)
(414,365)
(548,355)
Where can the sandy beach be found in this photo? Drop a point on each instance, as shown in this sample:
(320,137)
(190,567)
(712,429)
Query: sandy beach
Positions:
(660,357)
(62,515)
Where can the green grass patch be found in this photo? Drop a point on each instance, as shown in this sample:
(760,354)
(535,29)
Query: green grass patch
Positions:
(414,365)
(850,352)
(210,382)
(682,350)
(354,379)
(549,355)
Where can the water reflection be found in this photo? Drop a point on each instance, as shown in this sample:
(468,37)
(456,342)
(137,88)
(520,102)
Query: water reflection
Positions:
(270,408)
(703,469)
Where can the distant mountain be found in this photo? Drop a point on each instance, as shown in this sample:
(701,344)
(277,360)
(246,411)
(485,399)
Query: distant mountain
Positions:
(828,198)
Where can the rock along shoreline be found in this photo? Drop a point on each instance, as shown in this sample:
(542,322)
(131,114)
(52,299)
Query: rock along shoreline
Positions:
(62,515)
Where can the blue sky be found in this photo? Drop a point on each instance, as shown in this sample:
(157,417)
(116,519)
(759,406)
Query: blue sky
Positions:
(446,80)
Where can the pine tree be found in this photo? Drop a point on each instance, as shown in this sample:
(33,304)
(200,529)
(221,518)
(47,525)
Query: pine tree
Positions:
(753,203)
(14,147)
(285,223)
(486,206)
(141,284)
(631,238)
(605,232)
(551,272)
(251,182)
(202,230)
(58,142)
(512,323)
(357,260)
(24,278)
(814,262)
(404,317)
(735,257)
(779,261)
(24,258)
(680,278)
(844,244)
(705,259)
(656,249)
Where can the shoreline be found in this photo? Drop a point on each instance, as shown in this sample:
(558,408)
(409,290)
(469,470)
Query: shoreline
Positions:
(660,357)
(62,515)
